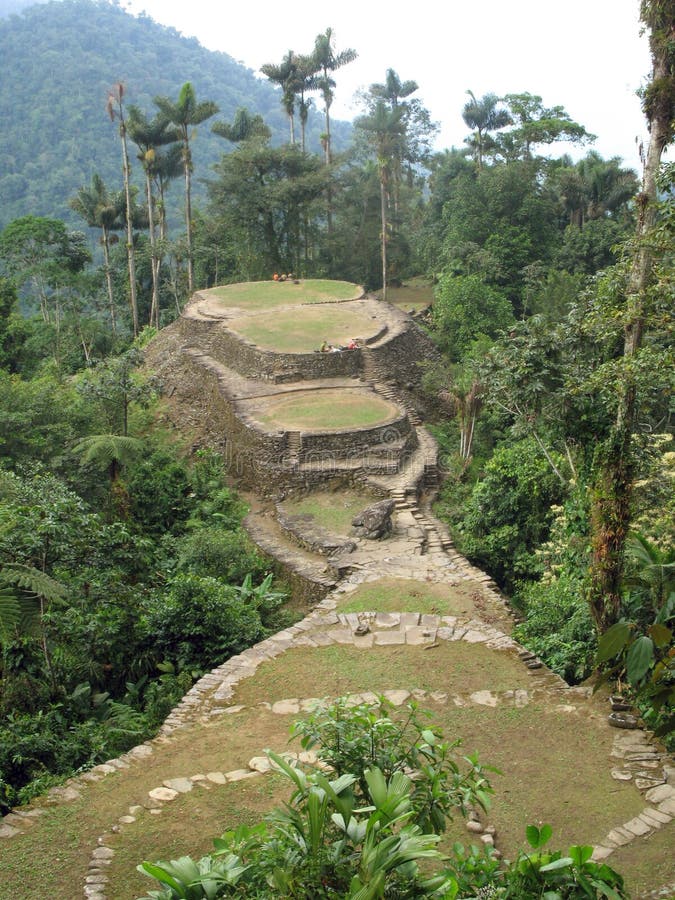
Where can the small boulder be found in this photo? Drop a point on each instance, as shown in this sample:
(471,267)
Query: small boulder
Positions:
(374,522)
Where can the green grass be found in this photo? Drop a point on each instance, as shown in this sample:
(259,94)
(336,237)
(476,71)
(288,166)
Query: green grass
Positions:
(258,295)
(324,410)
(217,808)
(454,667)
(333,511)
(304,331)
(400,595)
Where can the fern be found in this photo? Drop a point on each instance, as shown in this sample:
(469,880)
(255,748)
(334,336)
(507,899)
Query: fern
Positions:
(33,581)
(18,614)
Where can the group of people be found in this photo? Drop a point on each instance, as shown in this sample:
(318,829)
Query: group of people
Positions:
(329,348)
(287,277)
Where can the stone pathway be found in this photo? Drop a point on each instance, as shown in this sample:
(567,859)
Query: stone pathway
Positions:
(632,750)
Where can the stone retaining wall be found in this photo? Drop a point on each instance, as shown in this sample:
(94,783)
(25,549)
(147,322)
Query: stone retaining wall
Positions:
(395,437)
(263,460)
(245,357)
(398,349)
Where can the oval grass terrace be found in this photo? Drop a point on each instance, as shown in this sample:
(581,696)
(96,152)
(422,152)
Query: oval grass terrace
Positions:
(262,295)
(305,330)
(323,409)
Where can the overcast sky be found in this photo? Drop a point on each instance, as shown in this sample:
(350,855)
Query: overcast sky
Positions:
(586,55)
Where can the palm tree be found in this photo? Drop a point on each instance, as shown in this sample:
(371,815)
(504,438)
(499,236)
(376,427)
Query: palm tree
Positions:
(99,209)
(305,80)
(326,61)
(284,75)
(384,129)
(243,127)
(392,92)
(484,116)
(115,107)
(148,135)
(185,114)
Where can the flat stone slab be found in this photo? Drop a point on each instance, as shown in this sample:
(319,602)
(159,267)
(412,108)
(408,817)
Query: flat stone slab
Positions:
(180,785)
(260,764)
(418,634)
(484,698)
(637,827)
(398,698)
(240,775)
(660,793)
(388,638)
(286,707)
(216,777)
(163,793)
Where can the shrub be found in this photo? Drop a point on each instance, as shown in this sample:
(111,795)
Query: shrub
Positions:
(199,622)
(509,512)
(215,553)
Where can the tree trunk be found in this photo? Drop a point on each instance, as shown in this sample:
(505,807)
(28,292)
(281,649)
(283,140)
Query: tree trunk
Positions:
(615,460)
(105,240)
(188,217)
(154,262)
(131,257)
(383,219)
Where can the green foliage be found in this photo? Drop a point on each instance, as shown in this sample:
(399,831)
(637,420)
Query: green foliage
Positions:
(539,873)
(217,553)
(354,739)
(465,309)
(509,512)
(643,650)
(558,626)
(557,622)
(160,492)
(198,622)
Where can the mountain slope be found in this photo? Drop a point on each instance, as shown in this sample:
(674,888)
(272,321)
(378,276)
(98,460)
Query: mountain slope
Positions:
(60,59)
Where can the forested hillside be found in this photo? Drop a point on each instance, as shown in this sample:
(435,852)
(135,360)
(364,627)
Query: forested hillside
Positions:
(59,61)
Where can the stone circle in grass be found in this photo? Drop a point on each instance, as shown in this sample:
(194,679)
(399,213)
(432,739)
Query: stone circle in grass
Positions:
(304,330)
(325,410)
(260,295)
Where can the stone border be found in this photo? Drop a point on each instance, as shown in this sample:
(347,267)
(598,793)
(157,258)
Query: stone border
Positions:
(318,629)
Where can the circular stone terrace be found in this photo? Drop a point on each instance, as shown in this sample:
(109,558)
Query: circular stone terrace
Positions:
(297,317)
(293,319)
(325,409)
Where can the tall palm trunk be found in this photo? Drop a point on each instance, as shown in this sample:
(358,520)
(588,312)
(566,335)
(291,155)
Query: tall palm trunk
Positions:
(105,241)
(116,108)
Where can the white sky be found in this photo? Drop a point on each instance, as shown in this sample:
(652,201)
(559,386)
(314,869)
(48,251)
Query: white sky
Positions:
(586,55)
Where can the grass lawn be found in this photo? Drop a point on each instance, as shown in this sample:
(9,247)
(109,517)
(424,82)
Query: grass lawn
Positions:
(401,595)
(304,331)
(332,510)
(324,410)
(331,671)
(555,768)
(258,295)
